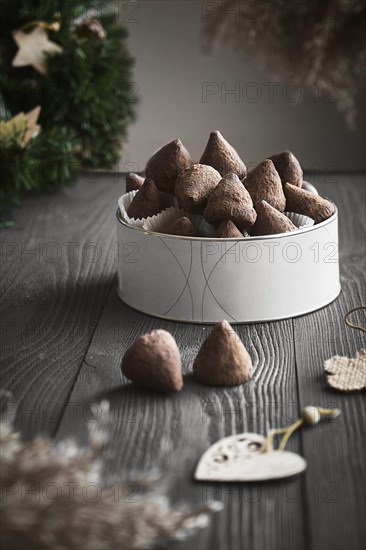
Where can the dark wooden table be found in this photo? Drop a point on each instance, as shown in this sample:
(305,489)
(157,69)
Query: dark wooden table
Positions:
(64,332)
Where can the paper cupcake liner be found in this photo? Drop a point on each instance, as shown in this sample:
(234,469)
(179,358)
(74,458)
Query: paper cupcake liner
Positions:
(156,224)
(124,204)
(204,228)
(299,220)
(159,222)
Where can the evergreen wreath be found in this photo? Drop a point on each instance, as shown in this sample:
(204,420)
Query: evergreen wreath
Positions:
(85,93)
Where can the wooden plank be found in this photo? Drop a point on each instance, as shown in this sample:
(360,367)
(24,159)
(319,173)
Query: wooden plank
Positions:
(52,323)
(149,430)
(53,289)
(336,476)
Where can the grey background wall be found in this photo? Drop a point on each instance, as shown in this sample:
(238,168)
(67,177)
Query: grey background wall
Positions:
(185,93)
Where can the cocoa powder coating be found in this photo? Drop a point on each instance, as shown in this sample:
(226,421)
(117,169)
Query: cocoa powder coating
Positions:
(153,361)
(264,183)
(230,201)
(222,156)
(222,360)
(194,186)
(227,230)
(148,201)
(183,226)
(270,221)
(307,203)
(166,164)
(134,182)
(288,168)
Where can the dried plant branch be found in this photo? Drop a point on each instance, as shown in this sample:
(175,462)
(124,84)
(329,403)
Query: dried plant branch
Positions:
(318,44)
(52,497)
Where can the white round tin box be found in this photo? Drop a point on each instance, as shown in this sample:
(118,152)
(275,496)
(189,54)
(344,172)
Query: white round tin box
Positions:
(205,280)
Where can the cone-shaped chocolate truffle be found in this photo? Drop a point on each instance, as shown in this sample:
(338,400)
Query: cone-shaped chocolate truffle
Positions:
(222,156)
(153,361)
(134,182)
(230,201)
(306,203)
(194,186)
(228,230)
(264,183)
(183,226)
(165,165)
(222,359)
(288,168)
(270,221)
(148,201)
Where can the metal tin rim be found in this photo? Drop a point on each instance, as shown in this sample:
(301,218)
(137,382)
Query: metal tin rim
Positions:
(235,239)
(192,322)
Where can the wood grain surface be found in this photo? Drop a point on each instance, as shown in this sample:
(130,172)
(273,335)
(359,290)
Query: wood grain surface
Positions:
(56,275)
(72,357)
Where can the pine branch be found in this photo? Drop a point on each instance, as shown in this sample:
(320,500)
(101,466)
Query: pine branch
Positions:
(85,96)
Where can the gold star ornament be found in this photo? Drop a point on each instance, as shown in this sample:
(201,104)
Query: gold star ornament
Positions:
(20,129)
(32,49)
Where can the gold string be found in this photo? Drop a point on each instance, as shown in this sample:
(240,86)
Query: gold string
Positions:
(329,412)
(288,433)
(351,325)
(289,430)
(55,26)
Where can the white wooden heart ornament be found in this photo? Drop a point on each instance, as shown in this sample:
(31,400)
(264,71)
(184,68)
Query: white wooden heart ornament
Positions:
(244,457)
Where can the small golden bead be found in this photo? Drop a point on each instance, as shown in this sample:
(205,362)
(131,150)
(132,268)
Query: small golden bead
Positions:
(311,415)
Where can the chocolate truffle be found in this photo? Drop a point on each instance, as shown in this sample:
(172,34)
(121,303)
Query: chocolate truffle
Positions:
(306,203)
(222,359)
(288,168)
(264,183)
(227,230)
(222,156)
(270,221)
(165,165)
(183,226)
(134,182)
(230,201)
(194,185)
(153,361)
(148,201)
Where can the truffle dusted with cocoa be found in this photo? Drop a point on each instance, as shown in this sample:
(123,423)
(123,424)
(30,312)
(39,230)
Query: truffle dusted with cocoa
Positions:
(194,186)
(222,156)
(222,359)
(183,226)
(230,201)
(264,183)
(270,221)
(134,182)
(147,202)
(166,164)
(228,230)
(288,168)
(308,204)
(153,361)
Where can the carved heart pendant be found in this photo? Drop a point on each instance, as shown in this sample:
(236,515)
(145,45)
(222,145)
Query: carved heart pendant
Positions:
(243,457)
